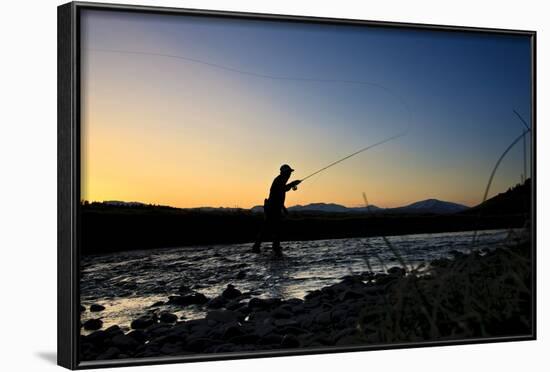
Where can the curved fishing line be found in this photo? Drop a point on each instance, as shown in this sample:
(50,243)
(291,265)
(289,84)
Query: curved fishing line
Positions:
(355,153)
(282,78)
(260,75)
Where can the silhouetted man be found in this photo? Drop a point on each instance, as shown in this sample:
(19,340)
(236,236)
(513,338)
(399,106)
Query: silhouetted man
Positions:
(274,207)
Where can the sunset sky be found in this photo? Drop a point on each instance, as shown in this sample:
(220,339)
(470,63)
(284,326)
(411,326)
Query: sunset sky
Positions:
(212,124)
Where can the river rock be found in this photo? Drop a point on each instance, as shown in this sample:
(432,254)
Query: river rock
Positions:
(167,317)
(143,322)
(294,302)
(285,323)
(93,324)
(396,271)
(158,329)
(96,307)
(231,292)
(96,338)
(223,316)
(264,304)
(350,295)
(232,330)
(171,348)
(289,341)
(199,344)
(138,335)
(281,313)
(271,339)
(245,339)
(217,302)
(125,342)
(113,331)
(323,318)
(313,294)
(110,353)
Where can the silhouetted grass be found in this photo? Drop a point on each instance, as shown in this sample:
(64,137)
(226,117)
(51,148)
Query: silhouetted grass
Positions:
(475,295)
(481,294)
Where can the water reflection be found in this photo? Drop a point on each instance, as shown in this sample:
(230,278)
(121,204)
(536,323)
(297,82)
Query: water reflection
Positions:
(128,283)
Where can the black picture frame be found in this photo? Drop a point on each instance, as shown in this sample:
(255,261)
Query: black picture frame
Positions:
(69,181)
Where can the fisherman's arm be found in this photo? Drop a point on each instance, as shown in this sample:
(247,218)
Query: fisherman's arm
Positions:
(292,185)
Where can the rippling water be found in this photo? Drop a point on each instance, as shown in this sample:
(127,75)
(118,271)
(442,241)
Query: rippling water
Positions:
(128,283)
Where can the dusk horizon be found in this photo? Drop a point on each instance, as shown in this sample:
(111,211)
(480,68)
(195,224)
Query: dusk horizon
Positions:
(357,205)
(185,115)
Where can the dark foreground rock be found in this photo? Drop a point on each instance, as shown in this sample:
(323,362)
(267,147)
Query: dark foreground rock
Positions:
(96,307)
(359,310)
(92,324)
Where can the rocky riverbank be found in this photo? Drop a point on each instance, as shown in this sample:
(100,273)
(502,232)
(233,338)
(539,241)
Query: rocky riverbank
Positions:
(481,294)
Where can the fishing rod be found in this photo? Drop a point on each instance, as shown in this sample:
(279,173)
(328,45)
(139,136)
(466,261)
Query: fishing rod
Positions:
(353,154)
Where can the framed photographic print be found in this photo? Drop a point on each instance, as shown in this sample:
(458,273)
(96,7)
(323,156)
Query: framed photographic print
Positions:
(237,185)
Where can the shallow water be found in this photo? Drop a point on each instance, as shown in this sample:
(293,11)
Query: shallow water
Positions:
(128,283)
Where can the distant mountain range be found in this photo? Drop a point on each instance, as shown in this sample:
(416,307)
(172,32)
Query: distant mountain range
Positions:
(428,206)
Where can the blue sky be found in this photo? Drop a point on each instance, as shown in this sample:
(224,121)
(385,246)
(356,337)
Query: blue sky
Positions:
(453,92)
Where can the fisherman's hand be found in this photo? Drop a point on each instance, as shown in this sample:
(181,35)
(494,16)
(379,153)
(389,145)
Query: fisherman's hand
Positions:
(294,184)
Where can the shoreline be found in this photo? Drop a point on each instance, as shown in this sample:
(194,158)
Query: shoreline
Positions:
(360,309)
(112,233)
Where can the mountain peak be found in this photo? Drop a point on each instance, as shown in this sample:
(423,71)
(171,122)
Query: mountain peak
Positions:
(435,206)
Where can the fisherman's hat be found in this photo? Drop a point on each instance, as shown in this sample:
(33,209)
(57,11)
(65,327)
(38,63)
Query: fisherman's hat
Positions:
(286,168)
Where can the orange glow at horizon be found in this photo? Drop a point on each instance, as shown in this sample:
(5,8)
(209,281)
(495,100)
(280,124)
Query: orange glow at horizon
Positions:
(175,132)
